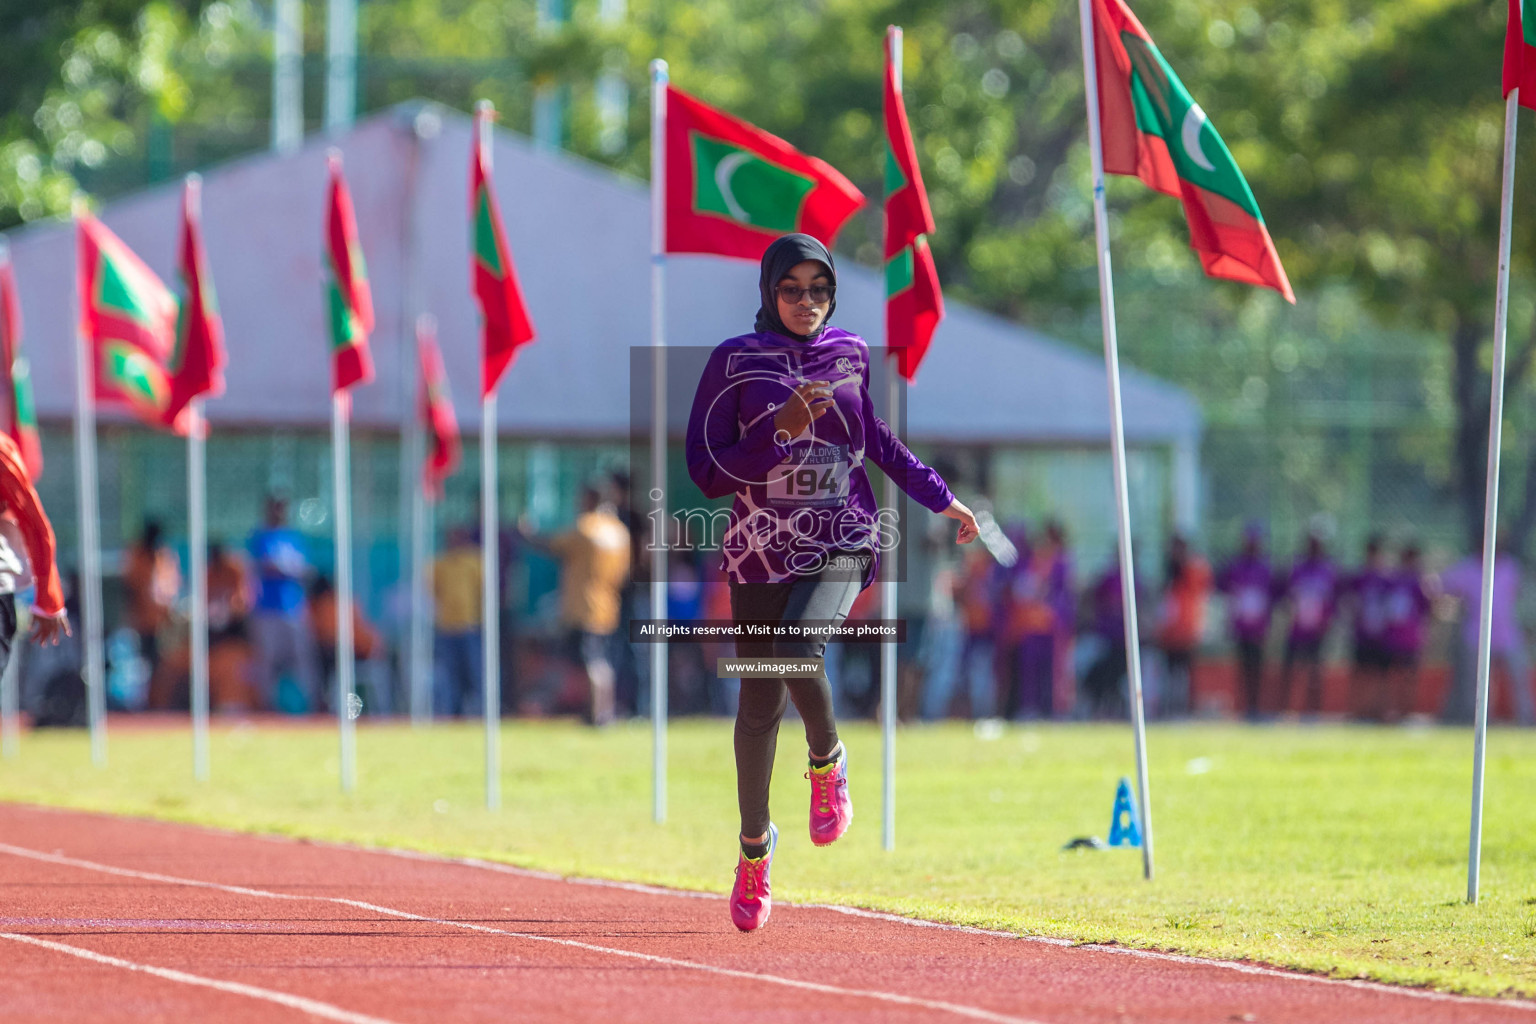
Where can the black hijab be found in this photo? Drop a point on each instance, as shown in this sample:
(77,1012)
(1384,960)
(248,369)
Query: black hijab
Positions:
(782,256)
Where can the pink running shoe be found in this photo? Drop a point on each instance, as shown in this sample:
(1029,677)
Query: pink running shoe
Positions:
(831,808)
(752,895)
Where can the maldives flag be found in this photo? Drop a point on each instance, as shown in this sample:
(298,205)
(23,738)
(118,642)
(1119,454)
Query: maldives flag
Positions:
(505,325)
(913,303)
(128,320)
(1154,130)
(732,188)
(1520,53)
(348,299)
(22,424)
(197,365)
(437,415)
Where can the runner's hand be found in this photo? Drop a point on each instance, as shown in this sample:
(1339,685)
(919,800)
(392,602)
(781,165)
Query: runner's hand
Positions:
(969,531)
(48,629)
(810,402)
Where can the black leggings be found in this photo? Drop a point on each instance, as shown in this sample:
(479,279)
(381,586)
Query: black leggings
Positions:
(826,596)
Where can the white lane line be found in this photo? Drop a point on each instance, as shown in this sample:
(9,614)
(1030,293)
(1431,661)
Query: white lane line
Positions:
(313,1007)
(917,922)
(972,1012)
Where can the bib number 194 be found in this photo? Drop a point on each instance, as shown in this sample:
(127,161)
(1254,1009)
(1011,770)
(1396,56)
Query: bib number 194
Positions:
(809,483)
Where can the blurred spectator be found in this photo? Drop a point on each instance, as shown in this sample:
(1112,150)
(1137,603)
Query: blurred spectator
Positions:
(1368,590)
(1180,624)
(1464,580)
(1005,620)
(324,605)
(1104,683)
(280,630)
(1039,592)
(594,562)
(458,582)
(687,675)
(1311,592)
(724,694)
(979,576)
(943,642)
(151,583)
(1249,583)
(229,649)
(1063,694)
(632,662)
(1408,599)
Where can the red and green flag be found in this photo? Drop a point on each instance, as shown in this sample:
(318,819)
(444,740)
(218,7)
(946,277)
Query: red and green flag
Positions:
(505,324)
(197,365)
(22,424)
(1520,52)
(732,188)
(1153,129)
(438,418)
(349,303)
(128,320)
(914,305)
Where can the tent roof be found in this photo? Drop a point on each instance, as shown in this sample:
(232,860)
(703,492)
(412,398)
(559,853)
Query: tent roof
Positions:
(580,236)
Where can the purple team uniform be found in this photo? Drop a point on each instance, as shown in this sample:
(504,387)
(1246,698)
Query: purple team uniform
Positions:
(1312,589)
(797,499)
(1372,588)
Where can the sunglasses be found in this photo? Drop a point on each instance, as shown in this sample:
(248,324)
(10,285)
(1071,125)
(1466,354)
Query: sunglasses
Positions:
(791,294)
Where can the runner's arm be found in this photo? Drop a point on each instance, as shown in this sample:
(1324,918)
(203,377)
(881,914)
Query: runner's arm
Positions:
(20,497)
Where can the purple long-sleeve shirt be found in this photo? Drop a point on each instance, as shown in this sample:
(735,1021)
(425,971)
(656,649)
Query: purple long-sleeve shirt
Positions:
(796,498)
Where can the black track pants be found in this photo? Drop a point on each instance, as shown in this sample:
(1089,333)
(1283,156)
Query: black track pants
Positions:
(824,597)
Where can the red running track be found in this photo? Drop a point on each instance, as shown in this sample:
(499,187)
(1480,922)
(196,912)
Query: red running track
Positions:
(107,919)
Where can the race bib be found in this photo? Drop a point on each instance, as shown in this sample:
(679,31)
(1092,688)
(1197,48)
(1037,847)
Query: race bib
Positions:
(1310,609)
(816,477)
(1252,604)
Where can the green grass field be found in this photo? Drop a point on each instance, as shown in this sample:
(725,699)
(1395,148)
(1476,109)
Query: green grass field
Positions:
(1332,849)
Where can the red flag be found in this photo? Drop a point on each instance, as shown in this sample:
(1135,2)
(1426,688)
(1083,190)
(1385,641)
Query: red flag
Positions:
(1520,55)
(128,319)
(1153,129)
(197,366)
(732,188)
(22,424)
(505,325)
(349,301)
(437,414)
(907,213)
(914,305)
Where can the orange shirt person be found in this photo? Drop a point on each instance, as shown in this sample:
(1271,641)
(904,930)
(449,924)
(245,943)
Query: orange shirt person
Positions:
(22,518)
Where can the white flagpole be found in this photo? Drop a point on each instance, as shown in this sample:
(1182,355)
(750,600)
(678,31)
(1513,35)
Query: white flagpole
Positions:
(888,586)
(490,548)
(659,651)
(1117,435)
(1491,498)
(342,474)
(421,624)
(888,648)
(94,663)
(197,521)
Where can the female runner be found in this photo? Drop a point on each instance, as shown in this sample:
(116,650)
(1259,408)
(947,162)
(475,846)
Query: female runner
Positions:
(783,420)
